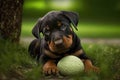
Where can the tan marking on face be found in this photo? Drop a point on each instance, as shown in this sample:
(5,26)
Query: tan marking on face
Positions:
(52,46)
(59,23)
(67,41)
(47,27)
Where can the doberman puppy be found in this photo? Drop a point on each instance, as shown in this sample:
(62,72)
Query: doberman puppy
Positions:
(59,40)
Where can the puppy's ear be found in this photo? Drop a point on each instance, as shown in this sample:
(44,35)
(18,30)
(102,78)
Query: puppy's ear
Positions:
(37,29)
(73,17)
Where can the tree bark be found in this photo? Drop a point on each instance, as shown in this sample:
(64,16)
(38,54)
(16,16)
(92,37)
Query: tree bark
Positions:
(11,19)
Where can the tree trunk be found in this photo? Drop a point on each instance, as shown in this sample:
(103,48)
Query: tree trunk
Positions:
(11,19)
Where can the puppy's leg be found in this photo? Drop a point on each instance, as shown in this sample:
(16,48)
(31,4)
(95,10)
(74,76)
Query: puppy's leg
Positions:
(89,66)
(34,48)
(87,62)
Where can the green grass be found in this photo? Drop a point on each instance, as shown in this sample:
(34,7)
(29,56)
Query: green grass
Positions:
(107,58)
(14,60)
(27,26)
(85,29)
(99,30)
(16,63)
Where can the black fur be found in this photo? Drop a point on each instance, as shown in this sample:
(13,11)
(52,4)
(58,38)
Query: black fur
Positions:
(51,18)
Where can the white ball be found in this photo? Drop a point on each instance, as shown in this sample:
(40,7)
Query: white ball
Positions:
(70,65)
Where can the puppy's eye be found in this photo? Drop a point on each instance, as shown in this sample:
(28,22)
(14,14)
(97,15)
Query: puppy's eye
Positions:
(63,28)
(46,31)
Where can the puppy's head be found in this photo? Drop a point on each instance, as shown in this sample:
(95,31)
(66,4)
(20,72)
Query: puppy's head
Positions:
(56,27)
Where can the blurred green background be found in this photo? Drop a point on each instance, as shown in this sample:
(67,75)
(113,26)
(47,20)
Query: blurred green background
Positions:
(98,18)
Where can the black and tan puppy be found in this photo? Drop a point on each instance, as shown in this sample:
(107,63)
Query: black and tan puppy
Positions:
(58,40)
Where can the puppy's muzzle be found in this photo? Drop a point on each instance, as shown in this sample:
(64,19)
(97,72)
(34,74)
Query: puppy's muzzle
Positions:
(58,42)
(57,38)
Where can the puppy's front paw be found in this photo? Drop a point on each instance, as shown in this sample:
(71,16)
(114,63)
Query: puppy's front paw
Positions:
(92,68)
(95,69)
(50,68)
(89,67)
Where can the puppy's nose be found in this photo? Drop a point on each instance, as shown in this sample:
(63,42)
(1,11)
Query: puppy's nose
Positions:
(58,41)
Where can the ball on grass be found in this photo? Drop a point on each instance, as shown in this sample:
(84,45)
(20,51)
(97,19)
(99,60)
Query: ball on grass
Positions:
(70,65)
